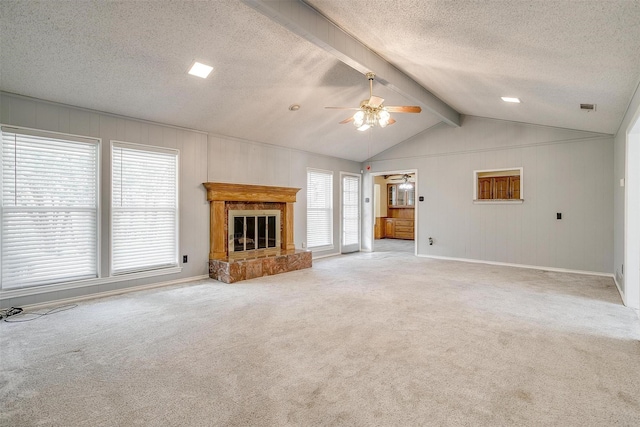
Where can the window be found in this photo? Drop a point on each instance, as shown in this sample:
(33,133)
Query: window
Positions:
(144,214)
(319,209)
(49,208)
(498,185)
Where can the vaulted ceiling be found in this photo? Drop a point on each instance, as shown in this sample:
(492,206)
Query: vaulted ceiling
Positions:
(449,57)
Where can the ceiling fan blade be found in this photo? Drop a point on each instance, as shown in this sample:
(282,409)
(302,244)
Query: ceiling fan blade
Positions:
(350,119)
(342,108)
(403,109)
(391,121)
(375,101)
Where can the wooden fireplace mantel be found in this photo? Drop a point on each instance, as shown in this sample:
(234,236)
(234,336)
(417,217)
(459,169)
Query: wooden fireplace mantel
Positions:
(225,192)
(219,193)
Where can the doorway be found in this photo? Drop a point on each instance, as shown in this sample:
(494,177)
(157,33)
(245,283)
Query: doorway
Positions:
(350,185)
(631,264)
(395,211)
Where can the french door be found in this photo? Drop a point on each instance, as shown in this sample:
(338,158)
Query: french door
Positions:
(350,213)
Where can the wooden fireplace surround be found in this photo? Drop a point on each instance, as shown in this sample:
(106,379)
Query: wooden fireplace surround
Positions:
(219,194)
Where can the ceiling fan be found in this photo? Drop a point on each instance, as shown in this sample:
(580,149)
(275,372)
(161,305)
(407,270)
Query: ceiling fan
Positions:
(372,111)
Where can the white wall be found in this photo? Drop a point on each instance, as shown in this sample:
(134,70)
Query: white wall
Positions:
(202,158)
(247,162)
(194,215)
(626,206)
(382,197)
(564,171)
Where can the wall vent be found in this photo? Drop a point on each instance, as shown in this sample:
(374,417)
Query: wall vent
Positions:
(588,107)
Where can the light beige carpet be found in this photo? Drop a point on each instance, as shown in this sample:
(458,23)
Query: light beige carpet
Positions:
(366,339)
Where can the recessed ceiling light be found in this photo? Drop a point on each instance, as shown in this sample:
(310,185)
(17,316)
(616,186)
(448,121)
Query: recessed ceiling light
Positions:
(509,99)
(294,107)
(200,70)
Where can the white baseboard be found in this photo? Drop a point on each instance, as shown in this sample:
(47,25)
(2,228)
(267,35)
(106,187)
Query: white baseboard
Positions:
(619,289)
(532,267)
(115,292)
(324,256)
(37,290)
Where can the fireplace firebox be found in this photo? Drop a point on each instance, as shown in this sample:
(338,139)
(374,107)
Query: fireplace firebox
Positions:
(253,230)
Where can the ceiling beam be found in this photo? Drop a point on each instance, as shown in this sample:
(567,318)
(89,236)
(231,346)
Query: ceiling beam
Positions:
(303,20)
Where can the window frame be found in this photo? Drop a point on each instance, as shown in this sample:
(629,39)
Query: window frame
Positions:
(354,246)
(478,174)
(330,245)
(42,286)
(159,269)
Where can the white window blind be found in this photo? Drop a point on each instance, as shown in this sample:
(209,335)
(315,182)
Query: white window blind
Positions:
(319,209)
(49,208)
(350,210)
(144,221)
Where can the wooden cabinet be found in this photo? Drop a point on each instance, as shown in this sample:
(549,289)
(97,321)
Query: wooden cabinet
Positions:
(515,187)
(400,223)
(484,188)
(403,229)
(499,188)
(398,228)
(397,197)
(389,228)
(378,230)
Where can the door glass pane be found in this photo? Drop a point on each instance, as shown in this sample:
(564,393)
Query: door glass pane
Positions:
(350,210)
(392,195)
(401,198)
(411,197)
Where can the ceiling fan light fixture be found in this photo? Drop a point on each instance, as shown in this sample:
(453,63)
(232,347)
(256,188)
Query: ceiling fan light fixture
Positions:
(406,185)
(383,118)
(372,118)
(372,112)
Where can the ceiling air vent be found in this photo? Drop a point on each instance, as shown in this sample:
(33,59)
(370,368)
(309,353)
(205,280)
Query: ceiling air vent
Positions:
(588,107)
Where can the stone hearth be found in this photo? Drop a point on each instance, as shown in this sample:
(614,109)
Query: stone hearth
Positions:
(223,197)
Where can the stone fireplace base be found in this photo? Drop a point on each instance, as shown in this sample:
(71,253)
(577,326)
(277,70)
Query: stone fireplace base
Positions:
(232,270)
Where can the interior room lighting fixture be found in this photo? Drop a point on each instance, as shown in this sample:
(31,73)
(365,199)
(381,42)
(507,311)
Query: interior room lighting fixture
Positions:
(510,99)
(200,70)
(406,185)
(368,117)
(372,111)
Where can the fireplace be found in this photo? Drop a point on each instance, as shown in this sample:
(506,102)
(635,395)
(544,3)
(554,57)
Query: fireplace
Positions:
(251,231)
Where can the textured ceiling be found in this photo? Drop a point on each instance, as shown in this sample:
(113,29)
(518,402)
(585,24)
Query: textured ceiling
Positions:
(552,54)
(131,57)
